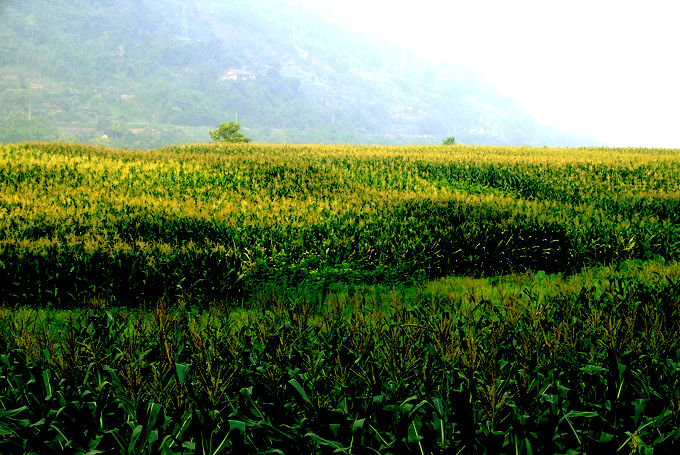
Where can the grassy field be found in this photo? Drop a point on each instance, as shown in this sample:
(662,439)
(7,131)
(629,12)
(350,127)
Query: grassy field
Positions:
(311,299)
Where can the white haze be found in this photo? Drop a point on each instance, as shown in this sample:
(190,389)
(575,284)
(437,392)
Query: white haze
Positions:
(601,68)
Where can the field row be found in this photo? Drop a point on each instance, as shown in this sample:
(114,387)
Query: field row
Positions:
(216,222)
(534,365)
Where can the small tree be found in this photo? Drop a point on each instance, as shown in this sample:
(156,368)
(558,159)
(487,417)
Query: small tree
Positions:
(449,141)
(228,132)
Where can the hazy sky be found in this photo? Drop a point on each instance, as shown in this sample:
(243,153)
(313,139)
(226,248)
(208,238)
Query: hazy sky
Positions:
(604,68)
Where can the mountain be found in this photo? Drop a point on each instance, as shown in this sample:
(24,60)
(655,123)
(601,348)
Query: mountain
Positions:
(140,73)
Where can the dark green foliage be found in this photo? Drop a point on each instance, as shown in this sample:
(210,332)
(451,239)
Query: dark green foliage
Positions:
(433,376)
(424,240)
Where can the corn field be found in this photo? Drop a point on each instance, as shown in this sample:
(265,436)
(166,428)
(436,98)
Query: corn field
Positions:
(215,223)
(144,304)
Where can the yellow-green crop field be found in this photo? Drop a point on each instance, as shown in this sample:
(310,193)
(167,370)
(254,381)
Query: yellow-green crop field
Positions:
(217,222)
(447,299)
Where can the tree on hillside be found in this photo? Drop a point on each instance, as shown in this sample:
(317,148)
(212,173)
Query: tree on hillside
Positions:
(449,141)
(228,132)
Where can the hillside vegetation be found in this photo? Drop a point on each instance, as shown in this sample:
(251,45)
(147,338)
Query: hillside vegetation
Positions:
(145,73)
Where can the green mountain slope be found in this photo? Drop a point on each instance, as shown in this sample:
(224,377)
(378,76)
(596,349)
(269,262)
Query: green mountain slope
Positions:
(141,73)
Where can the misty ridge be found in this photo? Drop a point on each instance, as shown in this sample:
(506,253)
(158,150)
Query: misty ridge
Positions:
(142,74)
